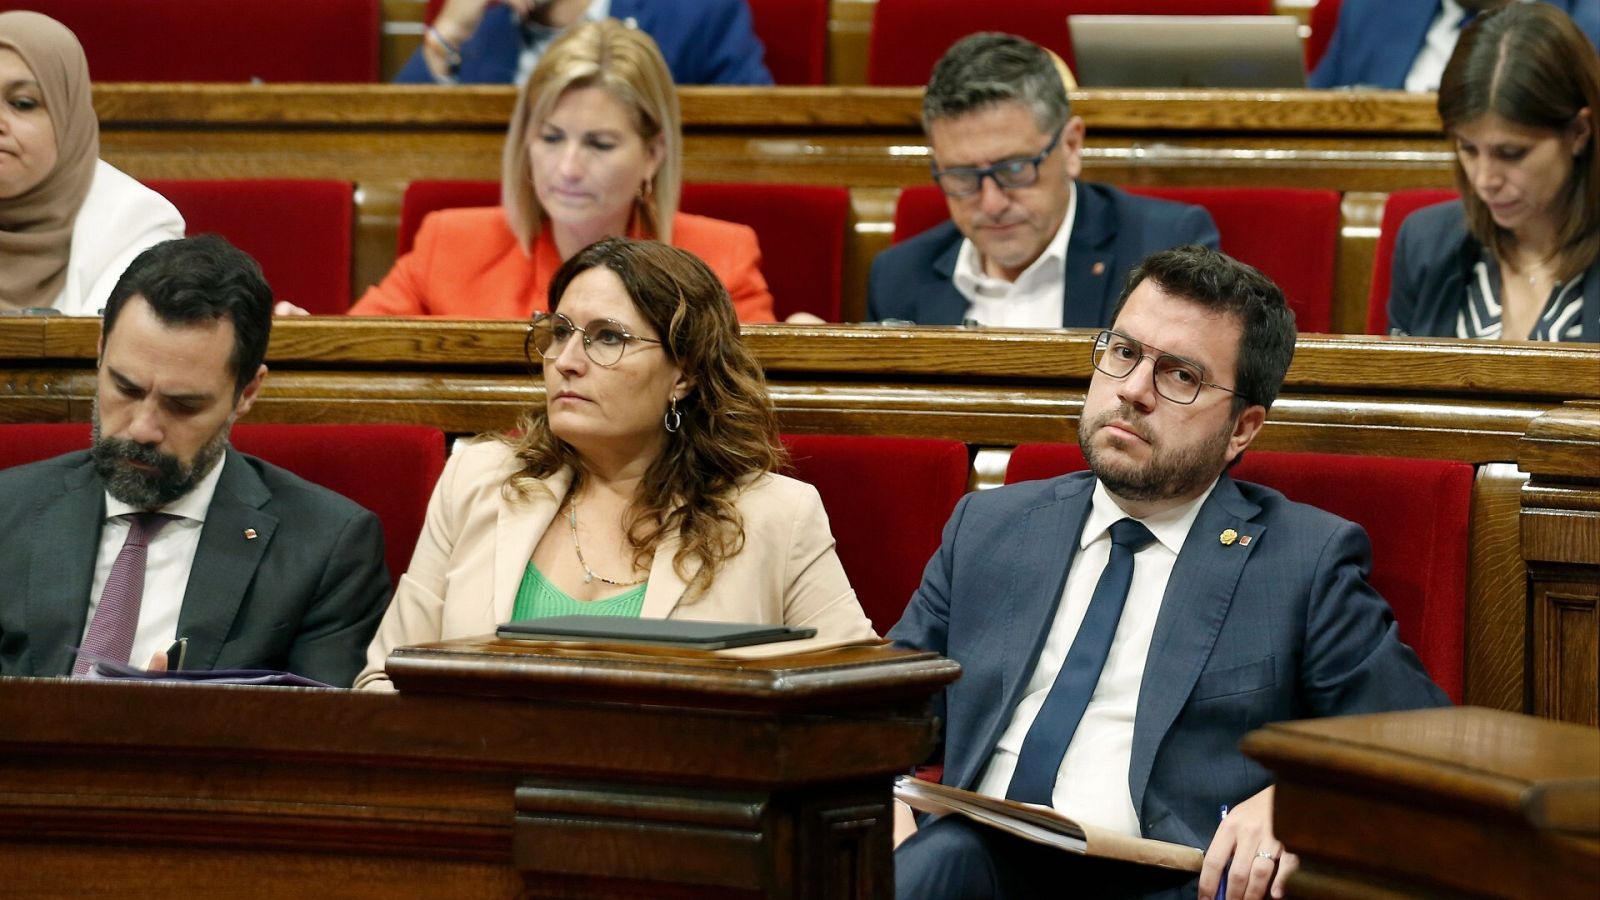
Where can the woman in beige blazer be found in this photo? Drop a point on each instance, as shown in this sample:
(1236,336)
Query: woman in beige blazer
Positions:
(644,486)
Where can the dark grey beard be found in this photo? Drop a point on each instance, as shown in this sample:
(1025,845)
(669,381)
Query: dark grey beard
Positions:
(1167,475)
(151,490)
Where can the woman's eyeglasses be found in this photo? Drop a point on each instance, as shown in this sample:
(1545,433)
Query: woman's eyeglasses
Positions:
(962,181)
(604,340)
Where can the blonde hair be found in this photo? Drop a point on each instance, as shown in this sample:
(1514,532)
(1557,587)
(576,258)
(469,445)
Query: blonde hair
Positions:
(625,63)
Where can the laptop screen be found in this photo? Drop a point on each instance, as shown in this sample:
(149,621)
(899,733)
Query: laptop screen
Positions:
(1188,51)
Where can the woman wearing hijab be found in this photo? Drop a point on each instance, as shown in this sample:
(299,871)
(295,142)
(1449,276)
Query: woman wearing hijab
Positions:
(69,223)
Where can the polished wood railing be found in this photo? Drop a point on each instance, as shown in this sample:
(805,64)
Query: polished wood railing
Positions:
(379,137)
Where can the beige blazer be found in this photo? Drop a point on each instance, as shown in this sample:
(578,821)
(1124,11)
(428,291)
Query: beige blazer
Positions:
(475,546)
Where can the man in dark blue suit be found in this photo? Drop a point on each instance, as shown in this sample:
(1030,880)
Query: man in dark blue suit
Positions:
(1404,44)
(1237,608)
(479,42)
(1028,245)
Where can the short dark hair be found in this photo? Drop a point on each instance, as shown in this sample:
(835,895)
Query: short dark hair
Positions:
(1219,282)
(990,67)
(202,279)
(1528,63)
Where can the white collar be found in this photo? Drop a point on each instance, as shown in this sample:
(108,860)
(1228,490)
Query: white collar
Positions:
(969,272)
(1171,527)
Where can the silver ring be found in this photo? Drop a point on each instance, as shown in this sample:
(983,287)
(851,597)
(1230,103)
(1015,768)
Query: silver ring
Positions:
(1262,854)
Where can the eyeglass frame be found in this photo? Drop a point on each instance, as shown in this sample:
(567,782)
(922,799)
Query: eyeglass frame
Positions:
(992,170)
(541,317)
(1102,343)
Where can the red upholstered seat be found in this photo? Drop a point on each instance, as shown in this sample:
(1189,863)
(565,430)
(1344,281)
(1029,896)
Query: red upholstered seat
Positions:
(299,231)
(221,40)
(801,229)
(909,36)
(1395,209)
(1415,512)
(389,469)
(795,35)
(1289,233)
(887,501)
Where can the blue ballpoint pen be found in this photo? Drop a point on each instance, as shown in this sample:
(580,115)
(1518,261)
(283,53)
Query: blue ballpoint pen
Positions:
(1222,886)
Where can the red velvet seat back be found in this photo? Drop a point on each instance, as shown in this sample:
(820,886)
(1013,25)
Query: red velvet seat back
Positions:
(1415,512)
(909,36)
(389,469)
(887,500)
(1395,209)
(801,229)
(795,35)
(298,230)
(221,40)
(1291,234)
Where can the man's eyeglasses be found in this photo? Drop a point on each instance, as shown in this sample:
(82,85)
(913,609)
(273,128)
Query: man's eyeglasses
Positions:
(604,340)
(962,181)
(1176,378)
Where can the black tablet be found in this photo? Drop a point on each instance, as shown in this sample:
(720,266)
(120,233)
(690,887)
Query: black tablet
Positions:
(656,632)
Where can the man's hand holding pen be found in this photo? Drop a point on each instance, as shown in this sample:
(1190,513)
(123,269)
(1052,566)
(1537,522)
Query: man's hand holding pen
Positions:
(1247,853)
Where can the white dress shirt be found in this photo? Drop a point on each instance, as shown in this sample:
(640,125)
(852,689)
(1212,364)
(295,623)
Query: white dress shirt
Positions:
(1440,43)
(168,560)
(1092,783)
(1035,299)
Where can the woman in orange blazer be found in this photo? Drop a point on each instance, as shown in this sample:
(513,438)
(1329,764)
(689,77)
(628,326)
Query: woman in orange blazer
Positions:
(594,150)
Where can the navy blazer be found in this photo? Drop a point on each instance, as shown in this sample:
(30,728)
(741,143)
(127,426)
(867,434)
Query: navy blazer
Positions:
(1376,41)
(703,42)
(1278,625)
(1434,255)
(1112,232)
(304,595)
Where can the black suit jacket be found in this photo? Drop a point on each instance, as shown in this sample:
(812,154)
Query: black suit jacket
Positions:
(304,595)
(1112,232)
(1434,255)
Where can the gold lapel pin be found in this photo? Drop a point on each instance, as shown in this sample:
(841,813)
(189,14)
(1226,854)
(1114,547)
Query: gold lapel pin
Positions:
(1228,536)
(1098,268)
(249,534)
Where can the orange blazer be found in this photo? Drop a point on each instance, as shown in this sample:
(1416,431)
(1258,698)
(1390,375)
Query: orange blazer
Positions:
(467,263)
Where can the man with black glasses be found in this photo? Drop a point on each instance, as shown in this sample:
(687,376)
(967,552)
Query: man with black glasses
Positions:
(1027,244)
(1119,630)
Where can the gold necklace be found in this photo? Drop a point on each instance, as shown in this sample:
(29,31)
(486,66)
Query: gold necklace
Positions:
(588,573)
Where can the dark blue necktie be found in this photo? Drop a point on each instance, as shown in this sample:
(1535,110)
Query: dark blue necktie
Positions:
(1035,777)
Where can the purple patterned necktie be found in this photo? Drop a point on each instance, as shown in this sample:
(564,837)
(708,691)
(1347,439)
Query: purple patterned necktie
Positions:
(116,618)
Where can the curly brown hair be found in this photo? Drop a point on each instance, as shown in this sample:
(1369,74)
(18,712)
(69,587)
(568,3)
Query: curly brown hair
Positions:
(729,431)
